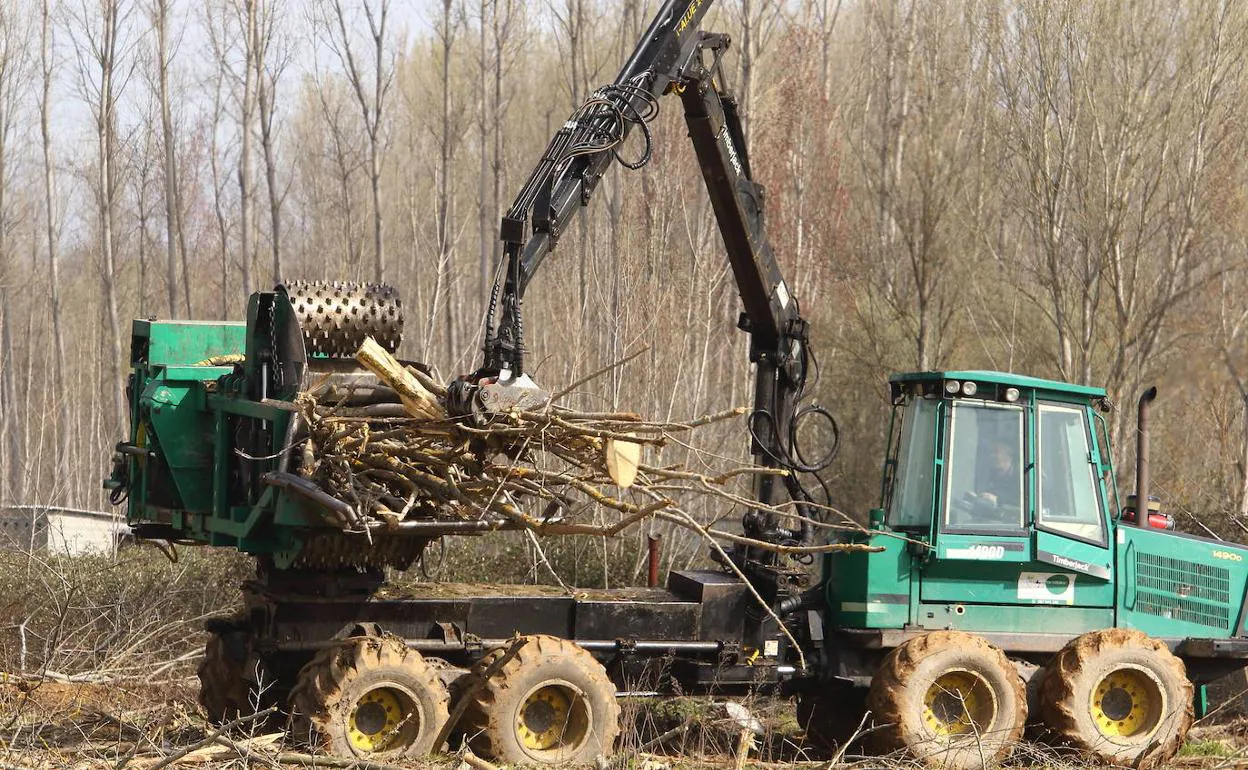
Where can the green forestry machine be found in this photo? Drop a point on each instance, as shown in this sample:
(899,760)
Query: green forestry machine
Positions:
(1002,579)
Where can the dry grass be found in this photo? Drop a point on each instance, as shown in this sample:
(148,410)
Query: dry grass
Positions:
(99,618)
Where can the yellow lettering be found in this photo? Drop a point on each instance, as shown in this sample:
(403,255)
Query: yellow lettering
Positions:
(688,15)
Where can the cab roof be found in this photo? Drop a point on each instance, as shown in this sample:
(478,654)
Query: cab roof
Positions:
(1002,378)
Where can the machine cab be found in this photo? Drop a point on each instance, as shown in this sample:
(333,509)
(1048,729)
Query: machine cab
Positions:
(998,482)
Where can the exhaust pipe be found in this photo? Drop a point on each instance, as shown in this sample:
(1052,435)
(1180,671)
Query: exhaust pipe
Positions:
(1142,459)
(652,548)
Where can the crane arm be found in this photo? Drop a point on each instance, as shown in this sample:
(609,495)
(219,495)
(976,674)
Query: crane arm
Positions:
(573,164)
(771,316)
(673,56)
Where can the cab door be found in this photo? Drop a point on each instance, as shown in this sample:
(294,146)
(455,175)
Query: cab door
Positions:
(1073,552)
(1021,539)
(982,539)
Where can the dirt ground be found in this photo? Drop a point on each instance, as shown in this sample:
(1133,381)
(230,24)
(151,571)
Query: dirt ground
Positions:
(150,726)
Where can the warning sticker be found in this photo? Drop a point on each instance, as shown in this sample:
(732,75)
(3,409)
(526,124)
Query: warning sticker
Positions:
(1047,587)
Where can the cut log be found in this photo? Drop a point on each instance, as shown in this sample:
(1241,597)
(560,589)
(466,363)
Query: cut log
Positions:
(623,459)
(417,399)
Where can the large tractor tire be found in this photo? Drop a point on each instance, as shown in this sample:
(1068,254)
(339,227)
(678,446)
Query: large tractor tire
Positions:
(949,699)
(371,698)
(831,719)
(550,703)
(224,691)
(1119,696)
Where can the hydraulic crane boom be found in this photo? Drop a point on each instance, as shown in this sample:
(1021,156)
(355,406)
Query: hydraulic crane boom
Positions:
(674,55)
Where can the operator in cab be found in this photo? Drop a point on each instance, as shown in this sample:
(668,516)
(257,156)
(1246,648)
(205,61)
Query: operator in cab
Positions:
(1002,482)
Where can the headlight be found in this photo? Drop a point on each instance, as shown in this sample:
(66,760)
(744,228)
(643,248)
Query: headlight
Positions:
(952,387)
(969,388)
(1011,394)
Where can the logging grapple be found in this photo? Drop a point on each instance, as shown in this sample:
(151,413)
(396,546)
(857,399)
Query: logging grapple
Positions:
(1002,578)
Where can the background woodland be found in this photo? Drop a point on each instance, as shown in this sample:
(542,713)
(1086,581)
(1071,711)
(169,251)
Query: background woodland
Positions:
(1051,188)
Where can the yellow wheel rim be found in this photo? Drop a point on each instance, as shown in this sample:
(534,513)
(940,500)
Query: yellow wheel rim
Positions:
(383,718)
(957,703)
(1127,703)
(553,716)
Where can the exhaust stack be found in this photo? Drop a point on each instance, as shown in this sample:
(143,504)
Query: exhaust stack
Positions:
(1142,459)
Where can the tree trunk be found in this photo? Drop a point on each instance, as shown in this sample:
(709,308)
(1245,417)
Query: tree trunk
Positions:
(12,70)
(10,438)
(265,95)
(173,238)
(54,280)
(218,204)
(106,143)
(445,156)
(486,240)
(247,116)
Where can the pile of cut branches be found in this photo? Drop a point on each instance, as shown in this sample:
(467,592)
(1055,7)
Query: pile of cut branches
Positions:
(541,468)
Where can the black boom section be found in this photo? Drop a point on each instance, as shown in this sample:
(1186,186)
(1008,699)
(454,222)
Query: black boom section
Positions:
(674,55)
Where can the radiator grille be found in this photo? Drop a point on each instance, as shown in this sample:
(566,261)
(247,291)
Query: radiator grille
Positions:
(1183,590)
(1181,609)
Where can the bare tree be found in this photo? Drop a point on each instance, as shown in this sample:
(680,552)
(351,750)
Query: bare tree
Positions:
(233,30)
(1233,328)
(485,214)
(916,156)
(573,22)
(269,60)
(142,153)
(14,61)
(219,183)
(98,48)
(825,14)
(370,82)
(344,157)
(248,23)
(175,236)
(759,22)
(47,52)
(1112,116)
(447,28)
(499,24)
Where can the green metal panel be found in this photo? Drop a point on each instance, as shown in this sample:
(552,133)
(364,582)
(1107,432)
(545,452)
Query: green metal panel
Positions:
(1173,585)
(870,590)
(185,342)
(1006,584)
(1093,564)
(291,511)
(1019,619)
(181,433)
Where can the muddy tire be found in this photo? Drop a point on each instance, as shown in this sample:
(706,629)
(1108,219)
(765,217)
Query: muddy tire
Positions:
(224,692)
(371,698)
(831,719)
(1119,696)
(551,703)
(949,699)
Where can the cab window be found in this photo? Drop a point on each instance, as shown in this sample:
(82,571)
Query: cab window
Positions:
(911,502)
(985,467)
(1069,501)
